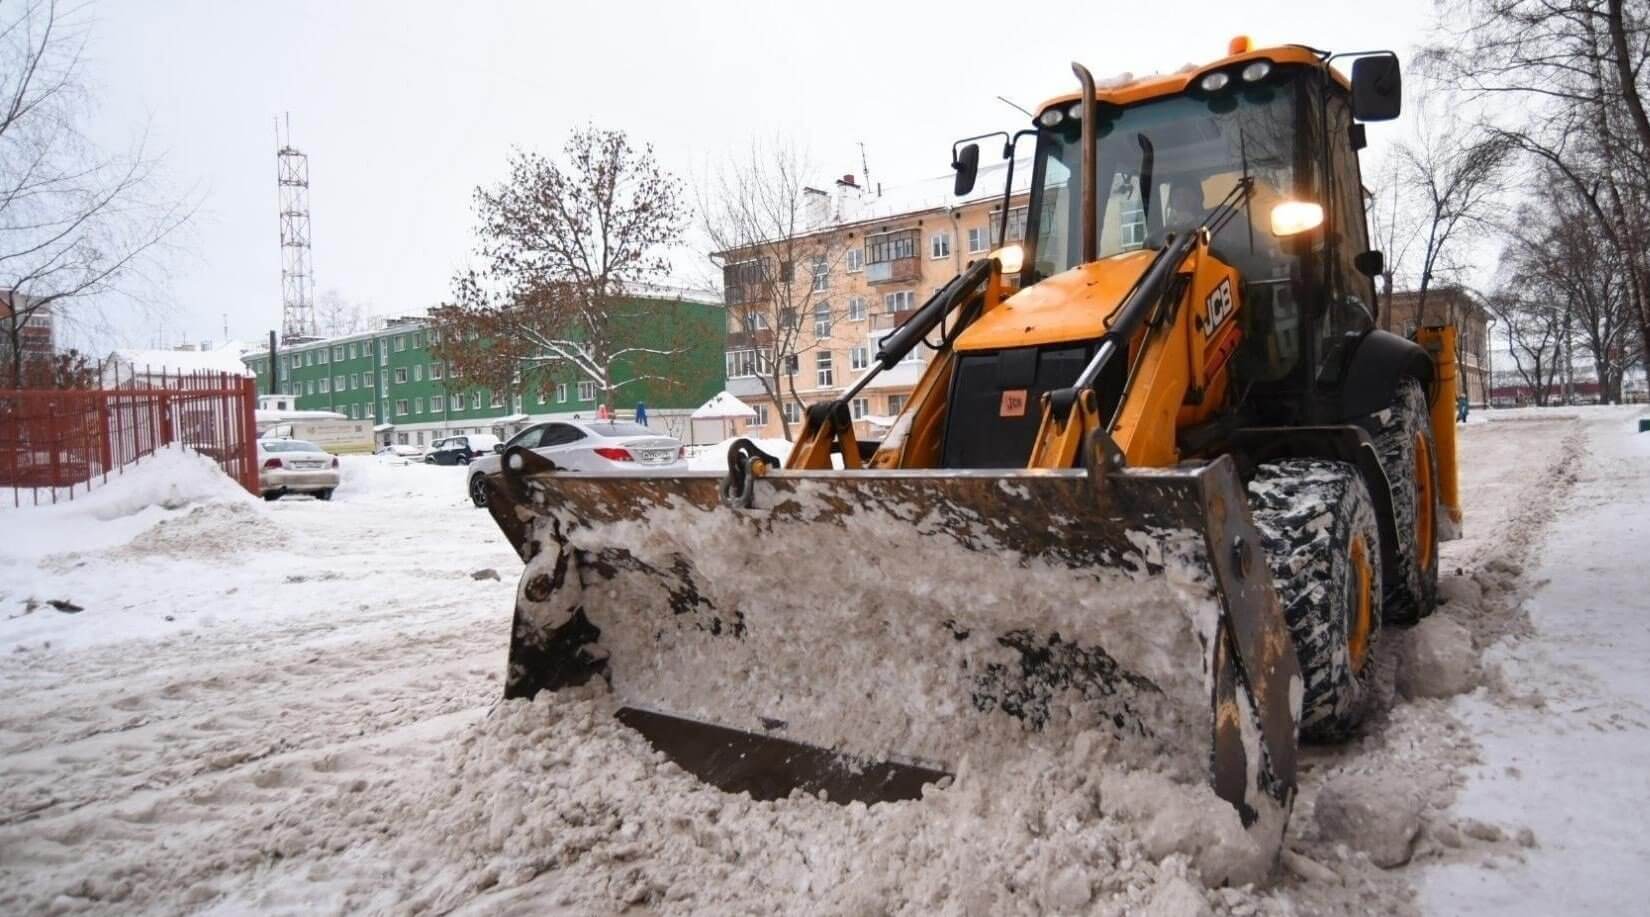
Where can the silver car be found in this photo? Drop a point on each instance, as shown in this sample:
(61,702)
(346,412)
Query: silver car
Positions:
(293,466)
(587,445)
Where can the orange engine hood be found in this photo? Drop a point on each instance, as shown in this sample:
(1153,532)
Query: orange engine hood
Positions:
(1072,306)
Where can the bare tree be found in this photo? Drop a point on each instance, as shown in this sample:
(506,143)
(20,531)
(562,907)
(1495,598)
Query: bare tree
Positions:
(566,246)
(76,224)
(775,245)
(336,316)
(1571,81)
(1394,223)
(1453,177)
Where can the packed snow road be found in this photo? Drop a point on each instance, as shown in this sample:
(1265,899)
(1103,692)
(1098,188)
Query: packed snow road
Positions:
(293,707)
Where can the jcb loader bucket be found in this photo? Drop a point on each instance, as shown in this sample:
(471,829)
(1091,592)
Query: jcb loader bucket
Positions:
(859,632)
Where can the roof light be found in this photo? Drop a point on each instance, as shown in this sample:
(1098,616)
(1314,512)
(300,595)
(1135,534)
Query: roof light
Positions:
(1257,71)
(1215,82)
(1074,111)
(1239,44)
(1051,118)
(1010,258)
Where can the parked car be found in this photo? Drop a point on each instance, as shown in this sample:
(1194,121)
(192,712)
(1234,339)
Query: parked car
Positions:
(461,450)
(587,445)
(294,466)
(402,451)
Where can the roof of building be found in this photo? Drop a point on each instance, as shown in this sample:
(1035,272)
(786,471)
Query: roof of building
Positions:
(172,362)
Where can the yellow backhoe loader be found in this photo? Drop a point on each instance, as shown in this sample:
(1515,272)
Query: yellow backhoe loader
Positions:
(1161,480)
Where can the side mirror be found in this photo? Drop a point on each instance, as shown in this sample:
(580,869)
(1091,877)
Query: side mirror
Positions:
(966,163)
(1370,263)
(498,448)
(1377,88)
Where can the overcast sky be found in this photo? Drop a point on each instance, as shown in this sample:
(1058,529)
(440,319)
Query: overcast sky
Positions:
(405,107)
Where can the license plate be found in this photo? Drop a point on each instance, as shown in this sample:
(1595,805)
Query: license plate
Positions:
(657,456)
(309,464)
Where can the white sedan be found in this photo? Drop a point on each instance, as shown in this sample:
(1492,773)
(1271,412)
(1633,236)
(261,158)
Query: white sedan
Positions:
(293,466)
(587,445)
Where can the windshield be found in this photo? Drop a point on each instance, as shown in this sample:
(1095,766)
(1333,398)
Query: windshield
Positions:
(1163,165)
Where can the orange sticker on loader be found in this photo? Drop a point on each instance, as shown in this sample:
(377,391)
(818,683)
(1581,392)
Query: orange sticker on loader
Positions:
(1014,403)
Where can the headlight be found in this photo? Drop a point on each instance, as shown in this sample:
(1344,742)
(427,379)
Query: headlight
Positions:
(1215,82)
(1256,71)
(1291,218)
(1011,257)
(1074,111)
(1051,118)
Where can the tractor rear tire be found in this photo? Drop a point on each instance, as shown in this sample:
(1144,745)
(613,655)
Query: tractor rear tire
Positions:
(1317,524)
(1404,442)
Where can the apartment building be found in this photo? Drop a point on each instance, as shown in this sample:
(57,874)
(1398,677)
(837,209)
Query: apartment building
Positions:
(391,377)
(871,261)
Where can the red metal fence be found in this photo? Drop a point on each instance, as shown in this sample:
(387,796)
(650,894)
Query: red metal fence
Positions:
(55,444)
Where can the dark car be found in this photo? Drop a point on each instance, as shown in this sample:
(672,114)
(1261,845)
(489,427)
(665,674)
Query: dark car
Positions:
(461,450)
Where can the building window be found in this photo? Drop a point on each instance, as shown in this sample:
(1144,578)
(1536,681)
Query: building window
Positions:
(383,356)
(435,370)
(438,404)
(401,407)
(497,401)
(1132,231)
(891,246)
(384,406)
(400,375)
(856,260)
(1016,225)
(401,439)
(309,387)
(353,351)
(457,403)
(856,309)
(475,401)
(321,357)
(742,363)
(309,358)
(338,353)
(418,372)
(354,381)
(824,376)
(420,437)
(418,405)
(939,245)
(860,407)
(756,320)
(366,347)
(587,391)
(355,412)
(822,273)
(761,418)
(896,404)
(977,240)
(337,383)
(561,392)
(787,318)
(326,385)
(898,302)
(793,412)
(400,343)
(859,358)
(822,319)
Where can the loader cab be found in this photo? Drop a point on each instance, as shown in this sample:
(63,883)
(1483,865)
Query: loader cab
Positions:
(1169,149)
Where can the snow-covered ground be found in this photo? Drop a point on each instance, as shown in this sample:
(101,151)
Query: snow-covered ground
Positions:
(293,707)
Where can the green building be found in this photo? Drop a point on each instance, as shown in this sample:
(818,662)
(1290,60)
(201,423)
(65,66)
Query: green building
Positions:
(390,376)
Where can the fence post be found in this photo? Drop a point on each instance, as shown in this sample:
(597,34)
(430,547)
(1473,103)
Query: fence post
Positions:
(249,435)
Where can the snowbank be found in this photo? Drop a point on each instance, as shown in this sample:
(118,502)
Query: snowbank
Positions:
(715,458)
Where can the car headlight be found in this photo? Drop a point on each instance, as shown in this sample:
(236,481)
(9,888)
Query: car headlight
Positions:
(1256,71)
(1215,82)
(1051,118)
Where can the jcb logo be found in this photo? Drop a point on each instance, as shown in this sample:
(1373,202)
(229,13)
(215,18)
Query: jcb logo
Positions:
(1219,307)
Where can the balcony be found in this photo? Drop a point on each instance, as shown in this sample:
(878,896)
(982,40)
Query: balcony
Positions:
(900,270)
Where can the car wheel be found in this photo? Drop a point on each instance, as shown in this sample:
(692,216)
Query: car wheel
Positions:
(478,490)
(324,494)
(272,495)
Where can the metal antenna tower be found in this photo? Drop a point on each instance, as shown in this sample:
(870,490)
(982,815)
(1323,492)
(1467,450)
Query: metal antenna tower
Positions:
(297,275)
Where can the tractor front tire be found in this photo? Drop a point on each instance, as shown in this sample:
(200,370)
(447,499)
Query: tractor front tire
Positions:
(1317,525)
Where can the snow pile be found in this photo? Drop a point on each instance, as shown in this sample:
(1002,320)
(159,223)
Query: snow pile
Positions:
(715,458)
(553,803)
